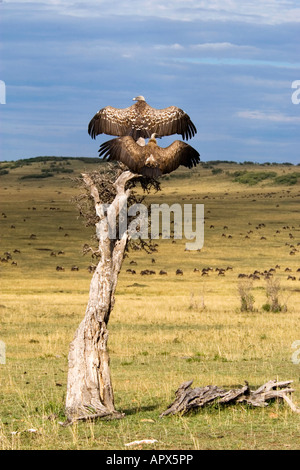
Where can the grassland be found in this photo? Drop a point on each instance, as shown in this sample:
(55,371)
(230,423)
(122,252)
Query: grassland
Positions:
(164,330)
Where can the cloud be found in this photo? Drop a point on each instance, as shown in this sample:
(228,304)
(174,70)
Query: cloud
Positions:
(258,82)
(238,61)
(249,11)
(165,47)
(222,46)
(274,116)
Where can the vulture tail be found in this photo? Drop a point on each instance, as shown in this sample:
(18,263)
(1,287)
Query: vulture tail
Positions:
(150,172)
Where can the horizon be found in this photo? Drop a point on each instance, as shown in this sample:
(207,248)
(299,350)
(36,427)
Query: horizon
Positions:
(101,160)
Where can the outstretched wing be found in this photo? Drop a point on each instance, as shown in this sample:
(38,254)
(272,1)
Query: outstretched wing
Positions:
(125,150)
(111,121)
(168,121)
(141,121)
(178,153)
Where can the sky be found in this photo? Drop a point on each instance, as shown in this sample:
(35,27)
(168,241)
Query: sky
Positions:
(230,65)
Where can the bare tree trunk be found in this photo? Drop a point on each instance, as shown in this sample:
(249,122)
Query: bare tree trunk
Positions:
(89,388)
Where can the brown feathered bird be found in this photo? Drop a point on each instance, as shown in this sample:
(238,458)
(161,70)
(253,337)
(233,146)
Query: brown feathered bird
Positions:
(149,159)
(141,120)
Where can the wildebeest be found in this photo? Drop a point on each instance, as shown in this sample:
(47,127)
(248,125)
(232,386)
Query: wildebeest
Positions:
(179,272)
(145,272)
(91,268)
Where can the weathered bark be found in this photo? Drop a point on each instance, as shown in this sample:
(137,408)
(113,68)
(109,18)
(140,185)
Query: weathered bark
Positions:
(188,398)
(89,388)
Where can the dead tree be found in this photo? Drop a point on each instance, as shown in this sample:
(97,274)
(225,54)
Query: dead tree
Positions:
(89,387)
(191,399)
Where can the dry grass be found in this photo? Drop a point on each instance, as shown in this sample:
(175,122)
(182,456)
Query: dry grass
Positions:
(164,329)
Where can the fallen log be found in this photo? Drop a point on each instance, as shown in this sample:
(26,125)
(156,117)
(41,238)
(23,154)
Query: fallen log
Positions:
(188,399)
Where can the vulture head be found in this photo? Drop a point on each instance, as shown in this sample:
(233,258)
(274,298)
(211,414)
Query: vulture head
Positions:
(138,98)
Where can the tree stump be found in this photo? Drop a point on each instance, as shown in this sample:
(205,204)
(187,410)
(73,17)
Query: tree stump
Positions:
(89,387)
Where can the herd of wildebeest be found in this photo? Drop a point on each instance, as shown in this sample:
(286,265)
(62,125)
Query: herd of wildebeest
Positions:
(11,257)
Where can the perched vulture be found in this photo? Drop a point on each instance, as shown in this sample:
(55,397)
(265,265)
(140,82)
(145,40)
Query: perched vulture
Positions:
(141,120)
(149,159)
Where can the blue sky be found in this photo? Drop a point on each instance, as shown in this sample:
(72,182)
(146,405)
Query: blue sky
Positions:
(229,64)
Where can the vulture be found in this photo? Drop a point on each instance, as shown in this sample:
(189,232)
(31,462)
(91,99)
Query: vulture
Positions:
(149,159)
(141,120)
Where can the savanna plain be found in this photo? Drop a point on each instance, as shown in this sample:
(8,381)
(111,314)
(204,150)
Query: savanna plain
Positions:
(165,329)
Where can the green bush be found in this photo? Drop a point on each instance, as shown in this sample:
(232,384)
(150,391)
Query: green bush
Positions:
(36,176)
(266,307)
(216,171)
(252,177)
(292,178)
(57,170)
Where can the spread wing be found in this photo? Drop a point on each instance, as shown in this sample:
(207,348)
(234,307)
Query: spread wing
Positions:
(178,153)
(141,122)
(125,150)
(168,121)
(111,121)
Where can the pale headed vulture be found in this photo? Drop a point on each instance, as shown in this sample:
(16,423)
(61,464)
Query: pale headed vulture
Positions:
(141,120)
